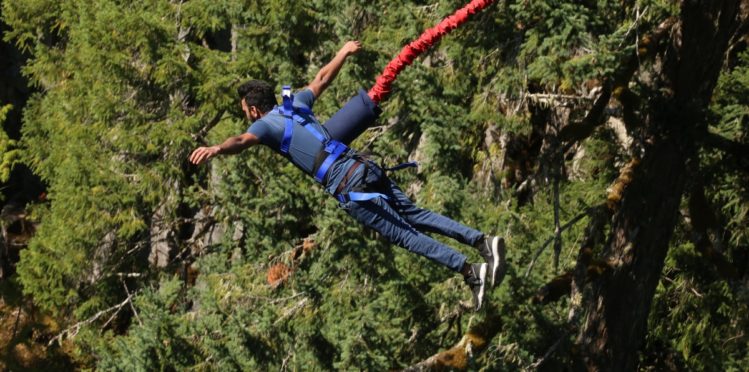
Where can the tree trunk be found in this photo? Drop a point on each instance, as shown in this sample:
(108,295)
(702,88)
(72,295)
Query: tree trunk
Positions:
(620,300)
(617,309)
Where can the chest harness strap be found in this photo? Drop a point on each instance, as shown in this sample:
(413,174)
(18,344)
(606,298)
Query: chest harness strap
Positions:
(333,148)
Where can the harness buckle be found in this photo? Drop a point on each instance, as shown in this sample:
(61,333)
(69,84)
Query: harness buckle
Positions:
(288,100)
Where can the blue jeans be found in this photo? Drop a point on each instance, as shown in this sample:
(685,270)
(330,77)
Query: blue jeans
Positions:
(402,222)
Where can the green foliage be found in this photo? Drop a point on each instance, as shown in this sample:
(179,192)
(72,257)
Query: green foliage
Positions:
(126,87)
(699,316)
(9,151)
(730,119)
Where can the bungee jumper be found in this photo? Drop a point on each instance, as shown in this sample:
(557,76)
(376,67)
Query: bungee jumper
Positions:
(361,186)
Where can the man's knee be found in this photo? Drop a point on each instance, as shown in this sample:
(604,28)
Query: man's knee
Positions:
(411,240)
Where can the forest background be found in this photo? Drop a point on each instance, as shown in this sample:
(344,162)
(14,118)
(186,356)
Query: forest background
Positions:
(605,140)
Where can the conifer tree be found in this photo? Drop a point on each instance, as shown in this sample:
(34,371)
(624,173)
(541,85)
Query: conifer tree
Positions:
(606,140)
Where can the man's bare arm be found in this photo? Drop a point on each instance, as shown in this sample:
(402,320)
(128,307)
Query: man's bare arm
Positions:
(326,74)
(232,145)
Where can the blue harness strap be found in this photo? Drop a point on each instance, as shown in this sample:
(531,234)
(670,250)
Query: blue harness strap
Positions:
(359,196)
(365,196)
(291,114)
(333,147)
(287,110)
(402,166)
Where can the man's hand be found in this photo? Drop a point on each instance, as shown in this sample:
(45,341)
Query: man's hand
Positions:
(351,47)
(232,145)
(203,154)
(326,74)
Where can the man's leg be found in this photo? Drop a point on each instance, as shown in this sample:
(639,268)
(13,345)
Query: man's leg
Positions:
(380,216)
(490,247)
(426,220)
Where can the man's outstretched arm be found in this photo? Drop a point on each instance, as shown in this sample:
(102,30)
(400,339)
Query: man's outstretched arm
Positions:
(232,145)
(326,74)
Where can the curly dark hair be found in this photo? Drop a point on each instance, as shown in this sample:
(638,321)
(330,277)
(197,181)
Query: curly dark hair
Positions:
(258,93)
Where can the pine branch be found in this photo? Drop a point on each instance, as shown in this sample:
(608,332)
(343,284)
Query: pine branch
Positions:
(292,310)
(451,319)
(586,267)
(15,324)
(73,330)
(702,221)
(548,241)
(616,86)
(735,152)
(573,281)
(382,129)
(202,132)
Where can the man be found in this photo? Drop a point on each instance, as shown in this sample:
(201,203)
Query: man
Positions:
(360,185)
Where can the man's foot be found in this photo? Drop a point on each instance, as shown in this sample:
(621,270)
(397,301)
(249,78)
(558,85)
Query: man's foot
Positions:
(492,248)
(476,280)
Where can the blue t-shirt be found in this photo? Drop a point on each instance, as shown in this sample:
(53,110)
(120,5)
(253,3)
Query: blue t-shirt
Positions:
(304,146)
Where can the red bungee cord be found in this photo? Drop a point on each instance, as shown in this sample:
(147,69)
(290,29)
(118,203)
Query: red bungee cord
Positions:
(427,39)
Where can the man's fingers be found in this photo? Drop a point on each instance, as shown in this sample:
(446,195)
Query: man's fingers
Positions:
(198,156)
(203,156)
(194,156)
(353,46)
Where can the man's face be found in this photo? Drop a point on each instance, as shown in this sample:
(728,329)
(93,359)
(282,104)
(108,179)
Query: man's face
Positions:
(251,112)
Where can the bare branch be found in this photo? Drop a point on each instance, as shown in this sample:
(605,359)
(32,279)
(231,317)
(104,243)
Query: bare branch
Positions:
(566,226)
(292,310)
(586,268)
(200,135)
(578,131)
(132,307)
(381,130)
(73,330)
(551,350)
(616,85)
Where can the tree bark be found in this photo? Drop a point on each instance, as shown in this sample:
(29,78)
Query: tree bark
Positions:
(617,309)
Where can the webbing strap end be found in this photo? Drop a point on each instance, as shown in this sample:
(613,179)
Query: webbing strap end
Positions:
(359,196)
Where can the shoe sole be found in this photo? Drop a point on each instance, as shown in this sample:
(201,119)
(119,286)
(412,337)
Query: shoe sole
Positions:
(482,276)
(495,256)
